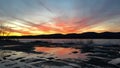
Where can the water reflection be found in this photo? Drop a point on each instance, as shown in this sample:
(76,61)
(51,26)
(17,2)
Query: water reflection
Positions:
(61,52)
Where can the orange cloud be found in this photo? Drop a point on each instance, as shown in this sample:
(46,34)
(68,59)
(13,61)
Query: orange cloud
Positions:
(63,26)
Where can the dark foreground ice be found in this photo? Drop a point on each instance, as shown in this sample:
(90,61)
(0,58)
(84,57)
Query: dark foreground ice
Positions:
(62,55)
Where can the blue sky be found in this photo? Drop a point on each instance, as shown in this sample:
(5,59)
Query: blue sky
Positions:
(76,16)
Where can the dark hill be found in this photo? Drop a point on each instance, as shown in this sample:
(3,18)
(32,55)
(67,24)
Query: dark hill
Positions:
(87,35)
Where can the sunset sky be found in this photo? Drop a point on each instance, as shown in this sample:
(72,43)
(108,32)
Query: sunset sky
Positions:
(35,17)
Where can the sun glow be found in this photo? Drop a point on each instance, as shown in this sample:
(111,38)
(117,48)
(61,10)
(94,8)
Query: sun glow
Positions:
(15,34)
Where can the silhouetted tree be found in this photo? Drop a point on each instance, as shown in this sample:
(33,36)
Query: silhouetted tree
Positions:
(4,31)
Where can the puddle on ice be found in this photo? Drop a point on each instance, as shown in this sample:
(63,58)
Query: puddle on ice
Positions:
(61,52)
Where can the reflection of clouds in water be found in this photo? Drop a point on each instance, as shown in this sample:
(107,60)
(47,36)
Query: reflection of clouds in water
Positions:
(61,52)
(14,60)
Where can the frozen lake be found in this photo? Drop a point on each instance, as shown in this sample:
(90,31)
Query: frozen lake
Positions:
(96,41)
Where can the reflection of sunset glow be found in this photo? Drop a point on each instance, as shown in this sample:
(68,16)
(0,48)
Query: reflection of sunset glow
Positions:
(61,52)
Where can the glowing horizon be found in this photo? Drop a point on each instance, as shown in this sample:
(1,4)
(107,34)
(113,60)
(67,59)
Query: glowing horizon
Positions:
(36,17)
